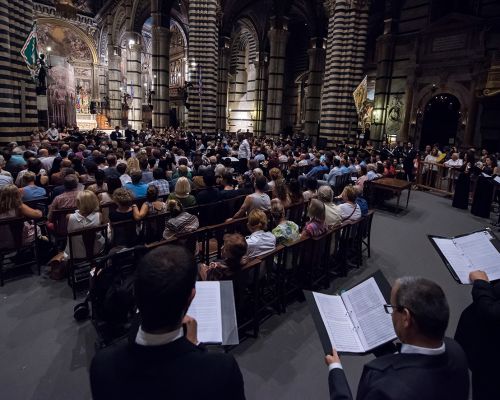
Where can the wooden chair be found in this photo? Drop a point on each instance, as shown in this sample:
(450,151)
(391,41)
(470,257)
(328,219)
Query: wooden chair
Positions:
(290,276)
(124,233)
(247,299)
(153,227)
(217,232)
(271,271)
(366,231)
(12,230)
(79,267)
(315,261)
(297,213)
(41,203)
(60,225)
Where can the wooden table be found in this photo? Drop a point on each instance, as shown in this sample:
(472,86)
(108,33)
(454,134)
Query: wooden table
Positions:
(396,186)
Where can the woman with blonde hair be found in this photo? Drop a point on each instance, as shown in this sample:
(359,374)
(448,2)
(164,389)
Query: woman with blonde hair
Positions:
(132,165)
(260,241)
(182,193)
(274,174)
(316,225)
(12,206)
(350,210)
(285,231)
(181,222)
(87,215)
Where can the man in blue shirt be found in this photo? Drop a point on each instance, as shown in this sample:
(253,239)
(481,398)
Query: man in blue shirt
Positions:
(136,187)
(329,179)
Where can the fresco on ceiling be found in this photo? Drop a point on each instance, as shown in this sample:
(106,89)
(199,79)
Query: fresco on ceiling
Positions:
(84,6)
(64,42)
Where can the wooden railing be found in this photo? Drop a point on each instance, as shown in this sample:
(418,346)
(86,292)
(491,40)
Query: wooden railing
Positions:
(437,177)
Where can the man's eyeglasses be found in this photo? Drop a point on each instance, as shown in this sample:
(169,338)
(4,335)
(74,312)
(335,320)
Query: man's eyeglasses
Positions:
(389,308)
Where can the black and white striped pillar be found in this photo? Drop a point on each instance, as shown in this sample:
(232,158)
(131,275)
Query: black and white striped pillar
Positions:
(134,80)
(161,64)
(261,75)
(222,81)
(114,87)
(278,38)
(203,64)
(345,57)
(317,55)
(18,111)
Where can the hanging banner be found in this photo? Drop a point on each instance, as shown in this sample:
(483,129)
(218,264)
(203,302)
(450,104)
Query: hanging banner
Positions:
(29,52)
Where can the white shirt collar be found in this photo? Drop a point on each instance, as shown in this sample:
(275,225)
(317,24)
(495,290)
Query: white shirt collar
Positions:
(148,339)
(410,349)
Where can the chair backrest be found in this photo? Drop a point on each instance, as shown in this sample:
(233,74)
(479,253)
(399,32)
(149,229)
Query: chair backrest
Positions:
(124,233)
(106,209)
(217,232)
(88,237)
(211,214)
(247,277)
(297,213)
(272,259)
(60,219)
(13,229)
(41,203)
(153,227)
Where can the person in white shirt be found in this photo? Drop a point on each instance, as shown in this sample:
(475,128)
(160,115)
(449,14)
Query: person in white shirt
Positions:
(349,210)
(259,242)
(53,133)
(244,154)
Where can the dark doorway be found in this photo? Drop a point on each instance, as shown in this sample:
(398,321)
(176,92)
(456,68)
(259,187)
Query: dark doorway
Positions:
(440,120)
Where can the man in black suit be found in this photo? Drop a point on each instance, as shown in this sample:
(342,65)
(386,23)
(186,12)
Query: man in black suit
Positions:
(116,134)
(428,366)
(162,360)
(478,332)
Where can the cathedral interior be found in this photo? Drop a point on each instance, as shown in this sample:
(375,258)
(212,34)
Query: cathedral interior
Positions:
(421,70)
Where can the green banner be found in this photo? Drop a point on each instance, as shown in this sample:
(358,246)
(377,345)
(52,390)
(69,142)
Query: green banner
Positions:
(30,50)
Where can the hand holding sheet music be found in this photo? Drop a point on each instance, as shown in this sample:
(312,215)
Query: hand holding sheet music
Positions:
(468,253)
(356,321)
(206,310)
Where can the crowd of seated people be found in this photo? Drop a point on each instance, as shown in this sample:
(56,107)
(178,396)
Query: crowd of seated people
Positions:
(165,175)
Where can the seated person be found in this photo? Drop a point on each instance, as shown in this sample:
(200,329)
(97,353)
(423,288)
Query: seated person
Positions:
(87,215)
(233,258)
(137,188)
(67,199)
(259,242)
(163,357)
(255,201)
(126,209)
(181,222)
(30,191)
(316,225)
(160,181)
(312,189)
(333,216)
(152,205)
(478,332)
(182,193)
(99,186)
(360,201)
(280,191)
(229,191)
(12,206)
(428,365)
(210,193)
(285,231)
(349,209)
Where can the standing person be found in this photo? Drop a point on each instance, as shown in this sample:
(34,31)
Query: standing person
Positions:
(462,186)
(409,155)
(428,365)
(478,332)
(163,356)
(244,153)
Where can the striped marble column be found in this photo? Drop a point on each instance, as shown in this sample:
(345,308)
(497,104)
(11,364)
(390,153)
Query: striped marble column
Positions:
(222,81)
(134,81)
(260,94)
(315,82)
(345,57)
(160,48)
(114,90)
(203,63)
(18,113)
(278,38)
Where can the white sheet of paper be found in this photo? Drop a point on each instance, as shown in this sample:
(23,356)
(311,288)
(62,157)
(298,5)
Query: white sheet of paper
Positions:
(206,310)
(481,253)
(340,329)
(457,260)
(497,179)
(365,303)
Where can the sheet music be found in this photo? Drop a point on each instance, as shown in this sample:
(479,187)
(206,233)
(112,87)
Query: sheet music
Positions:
(339,326)
(206,309)
(365,304)
(497,179)
(481,253)
(460,264)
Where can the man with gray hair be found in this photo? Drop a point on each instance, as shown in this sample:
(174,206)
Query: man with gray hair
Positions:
(333,216)
(428,365)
